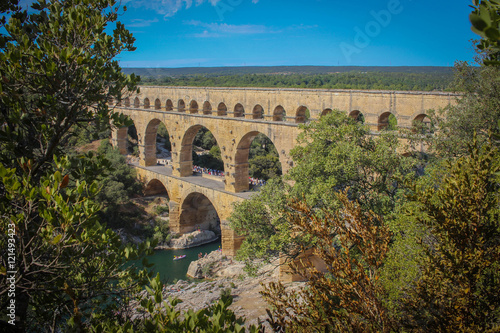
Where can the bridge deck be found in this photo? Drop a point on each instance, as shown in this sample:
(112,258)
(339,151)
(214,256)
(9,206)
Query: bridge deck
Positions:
(195,180)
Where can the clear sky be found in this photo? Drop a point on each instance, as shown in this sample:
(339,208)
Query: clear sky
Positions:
(192,33)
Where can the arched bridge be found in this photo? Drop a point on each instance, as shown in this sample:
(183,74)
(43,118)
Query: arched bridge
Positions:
(235,116)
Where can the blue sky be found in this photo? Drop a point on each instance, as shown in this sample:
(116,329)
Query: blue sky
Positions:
(192,33)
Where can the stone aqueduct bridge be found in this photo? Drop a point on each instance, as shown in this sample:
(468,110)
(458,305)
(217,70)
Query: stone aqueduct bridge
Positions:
(235,116)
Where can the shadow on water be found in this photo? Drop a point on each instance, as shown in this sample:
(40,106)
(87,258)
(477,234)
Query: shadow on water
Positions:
(171,270)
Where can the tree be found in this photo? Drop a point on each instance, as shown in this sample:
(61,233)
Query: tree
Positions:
(338,152)
(333,154)
(459,289)
(119,182)
(265,167)
(347,295)
(58,74)
(476,111)
(485,20)
(261,220)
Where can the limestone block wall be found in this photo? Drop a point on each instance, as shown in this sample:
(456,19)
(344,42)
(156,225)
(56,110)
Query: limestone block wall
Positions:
(249,103)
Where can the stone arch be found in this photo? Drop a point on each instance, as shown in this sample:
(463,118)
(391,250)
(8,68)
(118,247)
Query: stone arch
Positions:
(186,150)
(169,105)
(149,153)
(198,212)
(242,166)
(258,112)
(137,103)
(326,111)
(155,187)
(146,103)
(127,102)
(387,121)
(239,111)
(279,114)
(301,115)
(357,115)
(222,109)
(193,107)
(207,108)
(181,106)
(157,104)
(422,123)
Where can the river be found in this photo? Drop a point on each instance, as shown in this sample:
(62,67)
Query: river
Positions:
(171,270)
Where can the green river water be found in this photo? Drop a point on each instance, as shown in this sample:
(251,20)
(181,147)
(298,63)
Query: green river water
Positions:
(171,270)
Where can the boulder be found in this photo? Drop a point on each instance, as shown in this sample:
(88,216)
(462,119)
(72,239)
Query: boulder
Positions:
(195,270)
(193,239)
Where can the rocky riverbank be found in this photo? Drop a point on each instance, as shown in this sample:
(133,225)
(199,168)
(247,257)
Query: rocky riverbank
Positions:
(225,275)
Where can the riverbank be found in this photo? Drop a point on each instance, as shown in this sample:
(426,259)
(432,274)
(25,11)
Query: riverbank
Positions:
(225,275)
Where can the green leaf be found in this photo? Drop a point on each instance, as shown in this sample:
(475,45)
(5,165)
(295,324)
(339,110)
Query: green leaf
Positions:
(478,22)
(56,239)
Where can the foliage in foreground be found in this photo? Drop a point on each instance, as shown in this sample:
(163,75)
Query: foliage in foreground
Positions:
(158,315)
(346,296)
(476,112)
(58,73)
(64,258)
(459,286)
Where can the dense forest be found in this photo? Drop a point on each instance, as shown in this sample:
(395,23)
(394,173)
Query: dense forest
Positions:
(417,81)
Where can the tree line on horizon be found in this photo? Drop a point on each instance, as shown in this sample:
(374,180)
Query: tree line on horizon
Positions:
(427,81)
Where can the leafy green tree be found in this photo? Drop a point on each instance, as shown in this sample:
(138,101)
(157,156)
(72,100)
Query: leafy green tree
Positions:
(337,152)
(485,20)
(261,220)
(265,167)
(119,182)
(58,75)
(477,111)
(263,159)
(65,260)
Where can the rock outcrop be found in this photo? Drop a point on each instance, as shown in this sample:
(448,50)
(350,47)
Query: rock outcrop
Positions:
(192,239)
(225,275)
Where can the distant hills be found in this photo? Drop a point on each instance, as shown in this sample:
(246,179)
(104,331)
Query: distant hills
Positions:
(283,70)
